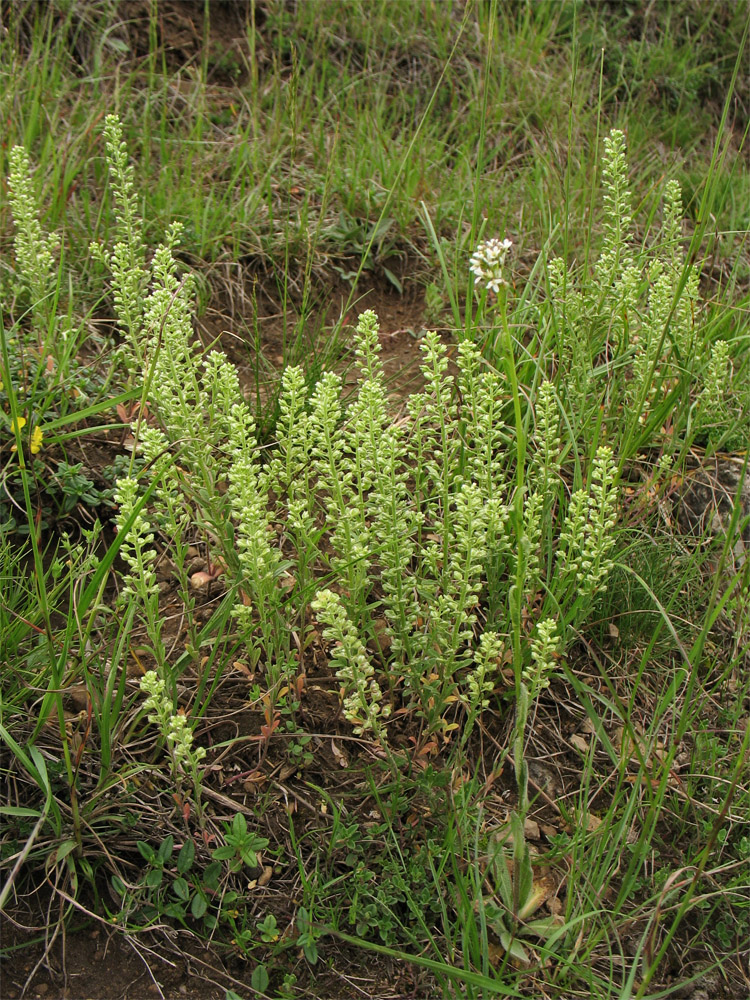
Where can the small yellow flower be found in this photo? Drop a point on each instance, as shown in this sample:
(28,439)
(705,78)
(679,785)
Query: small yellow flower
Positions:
(35,445)
(17,424)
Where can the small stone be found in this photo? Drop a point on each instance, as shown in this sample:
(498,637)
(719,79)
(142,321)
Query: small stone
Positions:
(78,697)
(531,829)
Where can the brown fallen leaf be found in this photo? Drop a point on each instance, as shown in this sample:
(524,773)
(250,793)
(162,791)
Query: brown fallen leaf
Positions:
(341,758)
(265,876)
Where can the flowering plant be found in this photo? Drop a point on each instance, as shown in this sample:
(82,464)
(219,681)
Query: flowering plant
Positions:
(488,263)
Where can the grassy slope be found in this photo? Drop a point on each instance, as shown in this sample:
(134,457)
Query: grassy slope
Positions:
(349,125)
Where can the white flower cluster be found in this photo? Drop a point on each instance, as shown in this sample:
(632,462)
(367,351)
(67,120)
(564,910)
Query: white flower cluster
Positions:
(544,649)
(617,253)
(712,409)
(587,538)
(488,261)
(289,468)
(127,259)
(481,681)
(137,549)
(485,437)
(174,727)
(35,250)
(362,695)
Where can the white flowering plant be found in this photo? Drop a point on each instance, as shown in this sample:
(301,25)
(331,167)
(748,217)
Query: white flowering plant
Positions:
(461,521)
(44,387)
(432,513)
(436,562)
(460,534)
(177,733)
(488,264)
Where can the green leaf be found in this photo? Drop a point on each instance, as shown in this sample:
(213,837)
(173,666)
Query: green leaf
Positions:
(239,826)
(268,929)
(186,857)
(522,870)
(222,853)
(393,280)
(499,859)
(78,415)
(212,875)
(181,889)
(174,910)
(166,847)
(153,878)
(146,850)
(64,850)
(118,885)
(18,811)
(543,927)
(259,979)
(513,946)
(459,975)
(311,952)
(198,905)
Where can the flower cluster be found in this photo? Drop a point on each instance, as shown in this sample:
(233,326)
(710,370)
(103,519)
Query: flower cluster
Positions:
(481,681)
(488,261)
(37,435)
(587,538)
(545,460)
(35,250)
(174,727)
(362,694)
(127,259)
(289,468)
(544,651)
(617,255)
(712,410)
(485,435)
(137,548)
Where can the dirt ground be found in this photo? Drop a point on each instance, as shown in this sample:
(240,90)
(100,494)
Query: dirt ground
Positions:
(99,964)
